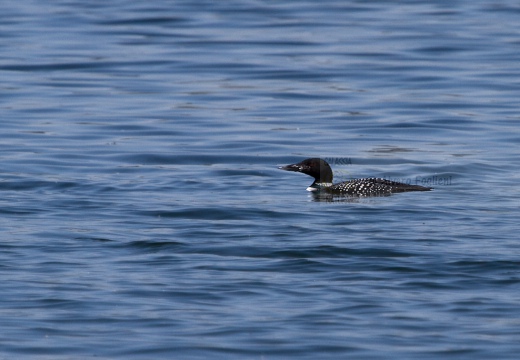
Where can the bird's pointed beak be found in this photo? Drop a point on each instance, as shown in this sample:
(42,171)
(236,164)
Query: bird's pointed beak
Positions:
(292,167)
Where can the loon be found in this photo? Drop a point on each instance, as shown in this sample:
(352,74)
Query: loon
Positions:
(320,170)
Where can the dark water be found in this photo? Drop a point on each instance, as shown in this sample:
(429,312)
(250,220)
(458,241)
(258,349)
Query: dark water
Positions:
(143,214)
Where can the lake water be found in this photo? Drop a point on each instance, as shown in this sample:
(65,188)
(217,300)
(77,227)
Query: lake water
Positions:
(143,215)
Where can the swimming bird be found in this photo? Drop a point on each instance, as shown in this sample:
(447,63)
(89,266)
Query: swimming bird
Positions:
(321,171)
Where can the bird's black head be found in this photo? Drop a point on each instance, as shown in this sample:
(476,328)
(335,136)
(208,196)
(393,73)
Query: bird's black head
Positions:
(318,168)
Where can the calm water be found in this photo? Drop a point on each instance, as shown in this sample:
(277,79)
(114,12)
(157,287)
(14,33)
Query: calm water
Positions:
(143,215)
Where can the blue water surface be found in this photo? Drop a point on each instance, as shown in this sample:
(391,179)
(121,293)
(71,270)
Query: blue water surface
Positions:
(143,215)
